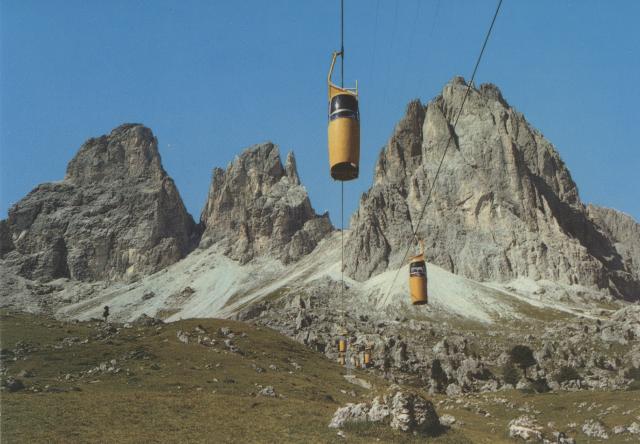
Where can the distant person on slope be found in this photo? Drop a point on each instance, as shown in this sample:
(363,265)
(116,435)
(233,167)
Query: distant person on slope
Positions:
(105,313)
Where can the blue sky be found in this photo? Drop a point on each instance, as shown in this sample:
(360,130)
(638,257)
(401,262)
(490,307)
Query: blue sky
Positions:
(211,78)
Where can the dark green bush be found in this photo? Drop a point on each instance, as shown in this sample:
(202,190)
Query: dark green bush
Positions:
(540,385)
(567,374)
(439,375)
(522,356)
(510,373)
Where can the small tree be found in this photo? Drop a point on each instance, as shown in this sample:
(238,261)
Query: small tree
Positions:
(438,375)
(510,373)
(567,374)
(522,356)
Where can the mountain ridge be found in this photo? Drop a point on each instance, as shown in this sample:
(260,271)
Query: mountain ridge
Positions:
(505,205)
(261,254)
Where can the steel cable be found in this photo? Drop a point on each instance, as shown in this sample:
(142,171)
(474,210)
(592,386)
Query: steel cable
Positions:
(455,123)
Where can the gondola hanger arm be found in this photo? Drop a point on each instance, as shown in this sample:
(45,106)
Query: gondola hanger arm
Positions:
(330,82)
(333,64)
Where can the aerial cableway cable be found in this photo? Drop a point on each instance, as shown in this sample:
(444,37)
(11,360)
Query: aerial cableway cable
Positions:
(455,123)
(344,153)
(342,182)
(434,21)
(403,73)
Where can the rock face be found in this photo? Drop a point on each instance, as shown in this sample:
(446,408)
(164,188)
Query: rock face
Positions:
(117,214)
(624,233)
(525,428)
(403,411)
(258,207)
(504,205)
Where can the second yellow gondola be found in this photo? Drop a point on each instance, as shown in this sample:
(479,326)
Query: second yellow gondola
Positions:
(344,129)
(367,356)
(418,279)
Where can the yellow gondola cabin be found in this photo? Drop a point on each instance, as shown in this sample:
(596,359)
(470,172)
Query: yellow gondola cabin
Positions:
(344,129)
(418,279)
(342,340)
(367,356)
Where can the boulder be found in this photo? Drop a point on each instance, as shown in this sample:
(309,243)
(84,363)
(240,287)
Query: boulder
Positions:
(348,414)
(268,391)
(525,428)
(594,428)
(454,390)
(447,420)
(12,384)
(404,411)
(379,410)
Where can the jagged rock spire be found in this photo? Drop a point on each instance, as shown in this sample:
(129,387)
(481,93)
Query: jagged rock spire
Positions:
(291,169)
(258,207)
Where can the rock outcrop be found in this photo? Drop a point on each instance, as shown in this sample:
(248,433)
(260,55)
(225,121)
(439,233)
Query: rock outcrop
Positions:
(504,205)
(116,215)
(405,411)
(258,207)
(623,232)
(525,428)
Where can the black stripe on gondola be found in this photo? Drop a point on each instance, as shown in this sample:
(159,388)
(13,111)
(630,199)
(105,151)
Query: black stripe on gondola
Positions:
(344,114)
(418,269)
(343,102)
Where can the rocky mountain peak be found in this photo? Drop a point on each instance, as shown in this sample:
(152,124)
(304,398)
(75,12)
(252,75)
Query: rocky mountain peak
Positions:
(257,207)
(504,206)
(129,151)
(403,151)
(491,91)
(116,215)
(291,168)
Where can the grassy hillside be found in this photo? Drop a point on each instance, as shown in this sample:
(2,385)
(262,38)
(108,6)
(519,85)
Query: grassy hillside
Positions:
(90,383)
(161,389)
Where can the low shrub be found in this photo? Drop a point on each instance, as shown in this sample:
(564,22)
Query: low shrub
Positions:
(567,374)
(510,373)
(540,385)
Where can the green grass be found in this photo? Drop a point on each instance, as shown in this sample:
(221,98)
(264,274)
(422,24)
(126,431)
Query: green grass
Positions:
(183,393)
(560,408)
(193,393)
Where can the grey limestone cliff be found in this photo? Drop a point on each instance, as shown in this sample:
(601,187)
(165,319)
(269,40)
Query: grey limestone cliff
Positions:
(624,233)
(116,215)
(504,205)
(258,207)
